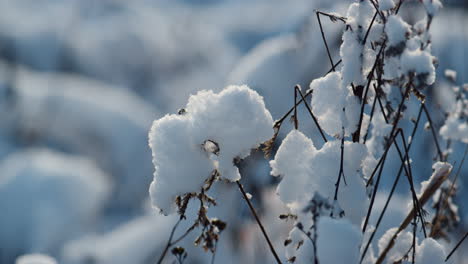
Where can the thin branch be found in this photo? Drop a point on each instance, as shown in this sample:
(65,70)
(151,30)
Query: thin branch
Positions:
(169,241)
(434,134)
(437,181)
(371,117)
(357,134)
(341,172)
(456,246)
(369,29)
(298,89)
(325,41)
(384,156)
(444,202)
(395,183)
(254,213)
(332,17)
(296,124)
(214,253)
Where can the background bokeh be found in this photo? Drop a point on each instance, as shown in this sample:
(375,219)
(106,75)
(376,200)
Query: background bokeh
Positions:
(82,80)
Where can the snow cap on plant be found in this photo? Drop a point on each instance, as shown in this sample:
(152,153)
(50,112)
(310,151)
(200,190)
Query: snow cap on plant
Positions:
(212,131)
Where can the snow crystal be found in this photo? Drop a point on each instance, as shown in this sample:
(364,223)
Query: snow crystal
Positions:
(396,30)
(419,62)
(228,125)
(306,170)
(35,259)
(337,235)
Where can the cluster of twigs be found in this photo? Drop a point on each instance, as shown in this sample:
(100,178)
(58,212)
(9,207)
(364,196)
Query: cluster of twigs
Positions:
(444,216)
(410,84)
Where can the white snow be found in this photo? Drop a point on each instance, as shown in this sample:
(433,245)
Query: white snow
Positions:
(136,241)
(432,6)
(352,51)
(430,252)
(402,244)
(90,118)
(450,74)
(328,101)
(329,98)
(48,197)
(236,119)
(385,5)
(306,170)
(419,62)
(440,169)
(35,259)
(397,30)
(456,108)
(455,128)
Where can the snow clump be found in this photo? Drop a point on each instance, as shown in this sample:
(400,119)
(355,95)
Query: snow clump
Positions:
(209,134)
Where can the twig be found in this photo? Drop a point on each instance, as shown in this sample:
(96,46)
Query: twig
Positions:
(310,112)
(357,134)
(428,193)
(434,134)
(456,246)
(371,117)
(296,125)
(169,241)
(325,41)
(369,29)
(444,202)
(254,213)
(395,183)
(341,172)
(384,156)
(214,253)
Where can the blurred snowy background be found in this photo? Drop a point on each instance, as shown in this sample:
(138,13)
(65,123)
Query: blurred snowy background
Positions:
(82,80)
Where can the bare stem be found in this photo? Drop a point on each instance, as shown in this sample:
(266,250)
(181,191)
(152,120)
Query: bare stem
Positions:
(254,213)
(428,193)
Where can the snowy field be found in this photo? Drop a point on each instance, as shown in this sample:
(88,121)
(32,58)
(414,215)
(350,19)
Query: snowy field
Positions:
(164,131)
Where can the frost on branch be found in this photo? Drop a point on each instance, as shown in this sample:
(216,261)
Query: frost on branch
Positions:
(212,131)
(307,170)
